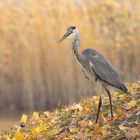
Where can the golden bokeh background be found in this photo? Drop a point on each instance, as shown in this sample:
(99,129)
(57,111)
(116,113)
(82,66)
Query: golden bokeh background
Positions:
(38,73)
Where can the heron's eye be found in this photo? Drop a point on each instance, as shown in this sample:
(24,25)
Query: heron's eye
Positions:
(73,27)
(70,31)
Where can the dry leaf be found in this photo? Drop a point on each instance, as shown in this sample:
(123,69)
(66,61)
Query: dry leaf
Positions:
(116,94)
(23,120)
(123,97)
(81,136)
(35,133)
(83,123)
(18,136)
(132,103)
(74,130)
(121,127)
(101,116)
(35,116)
(51,133)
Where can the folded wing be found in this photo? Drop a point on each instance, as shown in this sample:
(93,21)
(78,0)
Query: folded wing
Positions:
(104,70)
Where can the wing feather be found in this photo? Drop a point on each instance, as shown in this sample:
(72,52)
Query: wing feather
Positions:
(104,70)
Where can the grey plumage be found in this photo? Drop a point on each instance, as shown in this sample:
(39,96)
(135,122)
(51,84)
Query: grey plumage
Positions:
(103,69)
(96,65)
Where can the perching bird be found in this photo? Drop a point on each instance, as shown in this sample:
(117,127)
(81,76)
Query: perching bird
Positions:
(96,65)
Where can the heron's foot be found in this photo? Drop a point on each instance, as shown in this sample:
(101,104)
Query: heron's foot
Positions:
(96,121)
(97,118)
(112,118)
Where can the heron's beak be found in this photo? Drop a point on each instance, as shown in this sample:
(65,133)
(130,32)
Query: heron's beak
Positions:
(65,36)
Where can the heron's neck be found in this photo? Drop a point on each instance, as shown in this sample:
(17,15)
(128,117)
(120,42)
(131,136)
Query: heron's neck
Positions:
(75,45)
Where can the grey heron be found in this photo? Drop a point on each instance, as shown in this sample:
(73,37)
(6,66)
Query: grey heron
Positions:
(97,66)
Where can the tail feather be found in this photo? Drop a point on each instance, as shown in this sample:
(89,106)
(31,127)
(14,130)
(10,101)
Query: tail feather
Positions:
(124,89)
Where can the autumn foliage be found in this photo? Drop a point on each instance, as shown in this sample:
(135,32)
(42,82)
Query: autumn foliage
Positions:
(77,121)
(38,73)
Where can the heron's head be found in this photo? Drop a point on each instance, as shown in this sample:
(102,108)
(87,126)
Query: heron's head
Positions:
(71,32)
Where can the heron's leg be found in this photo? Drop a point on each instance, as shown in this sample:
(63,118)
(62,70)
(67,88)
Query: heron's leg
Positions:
(110,104)
(99,108)
(109,101)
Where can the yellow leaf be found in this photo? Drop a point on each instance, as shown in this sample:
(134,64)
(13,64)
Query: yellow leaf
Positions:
(41,122)
(23,119)
(102,117)
(18,136)
(30,137)
(115,94)
(74,130)
(132,103)
(35,115)
(122,127)
(51,133)
(87,130)
(35,133)
(42,127)
(122,97)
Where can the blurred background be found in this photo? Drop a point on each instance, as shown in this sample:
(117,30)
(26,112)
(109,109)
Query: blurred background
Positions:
(37,73)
